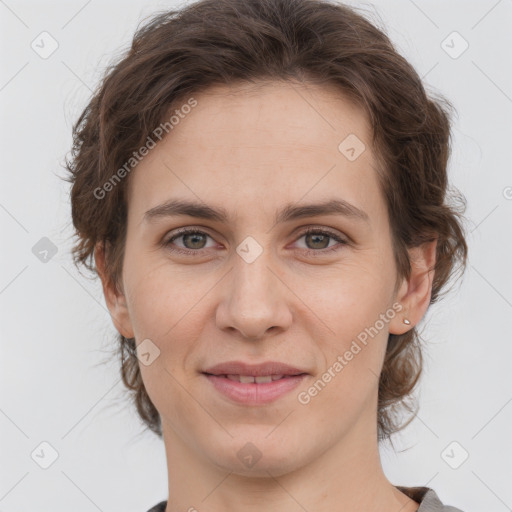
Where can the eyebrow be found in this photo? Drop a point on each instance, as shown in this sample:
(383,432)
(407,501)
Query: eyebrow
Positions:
(291,211)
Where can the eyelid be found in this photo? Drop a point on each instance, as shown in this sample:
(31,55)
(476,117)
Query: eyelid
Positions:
(177,233)
(340,238)
(325,230)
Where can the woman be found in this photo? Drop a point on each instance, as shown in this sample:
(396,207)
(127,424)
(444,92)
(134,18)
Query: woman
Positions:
(262,186)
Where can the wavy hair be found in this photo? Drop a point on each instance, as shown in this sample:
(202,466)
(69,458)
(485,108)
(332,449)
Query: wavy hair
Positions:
(181,52)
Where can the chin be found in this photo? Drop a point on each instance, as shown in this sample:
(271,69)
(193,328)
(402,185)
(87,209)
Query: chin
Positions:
(255,453)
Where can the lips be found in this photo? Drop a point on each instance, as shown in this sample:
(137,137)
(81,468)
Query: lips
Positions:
(244,372)
(248,379)
(253,393)
(254,384)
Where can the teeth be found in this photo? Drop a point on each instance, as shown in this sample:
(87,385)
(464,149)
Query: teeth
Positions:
(263,379)
(248,379)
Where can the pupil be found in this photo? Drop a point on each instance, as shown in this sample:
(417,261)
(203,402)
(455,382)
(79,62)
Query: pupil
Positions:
(197,238)
(324,237)
(193,236)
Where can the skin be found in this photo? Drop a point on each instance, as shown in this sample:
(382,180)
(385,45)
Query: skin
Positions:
(251,150)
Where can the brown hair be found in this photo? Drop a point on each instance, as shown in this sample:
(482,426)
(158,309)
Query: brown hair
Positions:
(180,52)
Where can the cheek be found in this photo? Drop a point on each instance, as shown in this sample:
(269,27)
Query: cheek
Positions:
(352,360)
(352,295)
(355,308)
(161,300)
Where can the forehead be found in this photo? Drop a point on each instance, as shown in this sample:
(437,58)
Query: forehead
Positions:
(270,142)
(284,114)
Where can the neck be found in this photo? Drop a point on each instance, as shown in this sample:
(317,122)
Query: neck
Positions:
(348,476)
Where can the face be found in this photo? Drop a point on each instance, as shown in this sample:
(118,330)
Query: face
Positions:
(250,284)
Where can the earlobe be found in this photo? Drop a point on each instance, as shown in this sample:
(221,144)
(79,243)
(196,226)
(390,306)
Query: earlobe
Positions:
(401,323)
(415,293)
(115,300)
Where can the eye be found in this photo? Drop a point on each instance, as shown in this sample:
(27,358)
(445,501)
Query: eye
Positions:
(319,240)
(194,240)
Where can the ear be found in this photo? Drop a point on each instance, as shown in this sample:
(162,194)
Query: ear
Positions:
(414,293)
(115,299)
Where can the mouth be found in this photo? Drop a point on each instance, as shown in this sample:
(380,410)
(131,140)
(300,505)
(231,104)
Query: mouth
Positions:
(250,379)
(253,385)
(238,370)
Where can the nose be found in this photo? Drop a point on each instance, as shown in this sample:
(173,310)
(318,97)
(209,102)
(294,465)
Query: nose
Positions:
(255,300)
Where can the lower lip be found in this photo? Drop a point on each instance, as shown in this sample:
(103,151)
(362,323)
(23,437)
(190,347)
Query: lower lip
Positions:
(253,393)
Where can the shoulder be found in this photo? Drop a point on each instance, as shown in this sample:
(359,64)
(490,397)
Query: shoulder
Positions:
(159,507)
(428,499)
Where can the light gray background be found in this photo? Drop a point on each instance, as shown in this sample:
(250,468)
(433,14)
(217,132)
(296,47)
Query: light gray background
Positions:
(55,329)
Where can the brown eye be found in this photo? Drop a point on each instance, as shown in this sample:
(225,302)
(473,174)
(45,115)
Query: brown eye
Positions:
(196,240)
(318,240)
(193,241)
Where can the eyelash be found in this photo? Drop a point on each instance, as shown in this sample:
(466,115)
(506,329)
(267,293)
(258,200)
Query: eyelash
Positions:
(309,252)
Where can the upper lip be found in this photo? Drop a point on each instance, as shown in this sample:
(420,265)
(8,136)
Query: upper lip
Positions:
(254,370)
